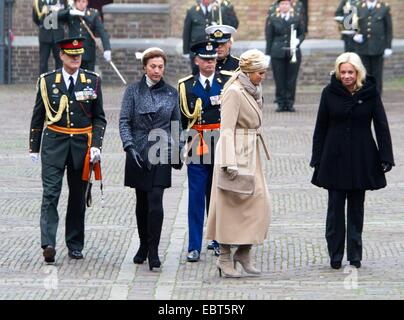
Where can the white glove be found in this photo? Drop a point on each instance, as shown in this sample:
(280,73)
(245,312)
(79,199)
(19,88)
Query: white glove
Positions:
(34,157)
(75,12)
(95,155)
(268,59)
(339,18)
(232,171)
(297,42)
(387,53)
(107,55)
(358,38)
(185,55)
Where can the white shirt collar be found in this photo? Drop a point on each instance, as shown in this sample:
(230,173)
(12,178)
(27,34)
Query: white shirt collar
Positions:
(202,79)
(66,77)
(209,8)
(371,5)
(285,15)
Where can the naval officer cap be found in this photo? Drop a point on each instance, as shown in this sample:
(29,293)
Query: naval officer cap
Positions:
(220,33)
(72,46)
(205,49)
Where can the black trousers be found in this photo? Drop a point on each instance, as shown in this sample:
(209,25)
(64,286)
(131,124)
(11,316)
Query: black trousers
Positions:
(374,67)
(44,53)
(285,76)
(335,225)
(149,217)
(52,178)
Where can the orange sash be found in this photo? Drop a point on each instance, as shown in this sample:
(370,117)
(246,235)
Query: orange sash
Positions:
(202,145)
(89,132)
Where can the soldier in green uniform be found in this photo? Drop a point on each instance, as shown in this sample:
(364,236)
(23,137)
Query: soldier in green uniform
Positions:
(45,16)
(76,18)
(374,37)
(344,15)
(284,58)
(69,102)
(222,35)
(200,108)
(201,15)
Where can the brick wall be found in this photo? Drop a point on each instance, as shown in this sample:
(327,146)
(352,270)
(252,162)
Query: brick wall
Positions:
(314,69)
(251,13)
(134,26)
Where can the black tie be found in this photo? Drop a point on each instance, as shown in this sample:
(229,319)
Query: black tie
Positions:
(71,85)
(207,87)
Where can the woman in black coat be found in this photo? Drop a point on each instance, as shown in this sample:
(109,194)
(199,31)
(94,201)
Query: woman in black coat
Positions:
(345,156)
(150,109)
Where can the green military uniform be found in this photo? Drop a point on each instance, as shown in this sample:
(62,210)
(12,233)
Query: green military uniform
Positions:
(376,27)
(65,114)
(299,8)
(77,29)
(196,21)
(277,33)
(345,12)
(49,33)
(229,16)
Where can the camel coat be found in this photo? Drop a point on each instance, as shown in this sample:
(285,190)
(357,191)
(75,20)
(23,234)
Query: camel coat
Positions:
(239,211)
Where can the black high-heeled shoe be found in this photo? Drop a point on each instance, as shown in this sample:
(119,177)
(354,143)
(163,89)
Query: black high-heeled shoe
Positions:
(154,260)
(141,255)
(220,271)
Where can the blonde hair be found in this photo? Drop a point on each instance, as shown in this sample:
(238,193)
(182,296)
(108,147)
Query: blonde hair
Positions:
(252,61)
(356,62)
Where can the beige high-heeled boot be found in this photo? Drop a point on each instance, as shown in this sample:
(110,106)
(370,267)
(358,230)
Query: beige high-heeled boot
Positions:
(242,256)
(224,263)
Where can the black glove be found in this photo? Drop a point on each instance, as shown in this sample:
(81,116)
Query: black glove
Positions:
(386,166)
(136,158)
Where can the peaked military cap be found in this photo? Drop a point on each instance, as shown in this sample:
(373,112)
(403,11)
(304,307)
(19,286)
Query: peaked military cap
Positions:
(205,49)
(72,46)
(220,33)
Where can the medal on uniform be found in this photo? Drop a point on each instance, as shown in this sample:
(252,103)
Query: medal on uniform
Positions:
(215,100)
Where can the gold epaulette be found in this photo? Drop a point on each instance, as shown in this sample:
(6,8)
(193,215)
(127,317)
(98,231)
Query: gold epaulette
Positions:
(185,79)
(226,72)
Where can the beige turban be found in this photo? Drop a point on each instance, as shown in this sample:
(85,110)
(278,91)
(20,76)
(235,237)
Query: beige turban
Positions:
(252,61)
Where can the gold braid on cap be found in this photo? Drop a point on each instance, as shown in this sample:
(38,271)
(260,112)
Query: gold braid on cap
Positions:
(184,107)
(64,101)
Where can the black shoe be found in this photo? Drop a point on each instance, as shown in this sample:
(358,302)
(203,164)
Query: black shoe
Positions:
(75,254)
(290,108)
(335,264)
(356,264)
(280,109)
(49,254)
(141,255)
(193,256)
(154,260)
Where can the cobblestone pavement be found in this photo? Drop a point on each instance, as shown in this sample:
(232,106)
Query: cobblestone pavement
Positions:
(293,259)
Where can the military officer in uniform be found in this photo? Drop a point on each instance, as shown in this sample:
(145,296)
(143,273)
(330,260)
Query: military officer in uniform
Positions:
(374,37)
(198,17)
(222,35)
(285,61)
(344,15)
(200,108)
(69,102)
(77,18)
(44,15)
(299,8)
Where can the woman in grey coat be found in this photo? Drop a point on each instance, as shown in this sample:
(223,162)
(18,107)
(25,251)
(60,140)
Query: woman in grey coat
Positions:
(149,118)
